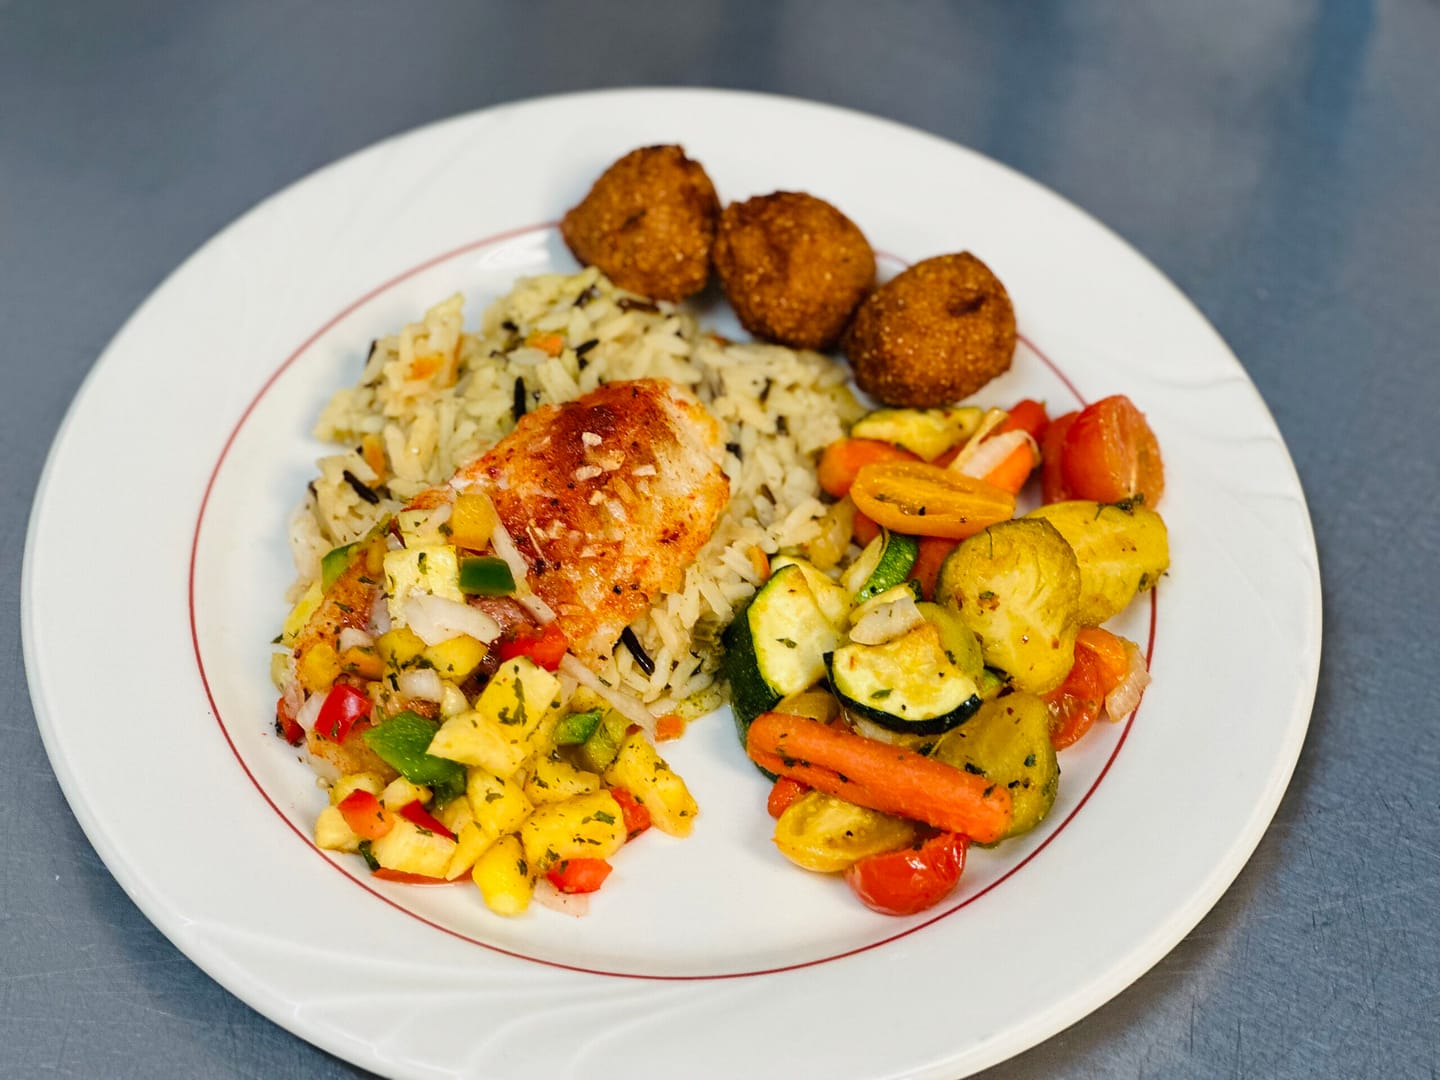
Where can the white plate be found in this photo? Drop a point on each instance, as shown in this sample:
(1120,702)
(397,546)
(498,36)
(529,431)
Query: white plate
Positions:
(156,541)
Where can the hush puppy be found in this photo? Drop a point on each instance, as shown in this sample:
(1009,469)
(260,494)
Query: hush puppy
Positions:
(793,267)
(934,334)
(648,223)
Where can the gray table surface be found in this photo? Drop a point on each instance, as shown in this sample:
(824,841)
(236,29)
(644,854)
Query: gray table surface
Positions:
(1279,159)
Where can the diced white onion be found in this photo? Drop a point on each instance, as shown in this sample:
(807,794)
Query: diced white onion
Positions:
(547,895)
(632,708)
(422,683)
(351,638)
(989,455)
(992,419)
(887,622)
(453,703)
(1122,700)
(505,548)
(310,711)
(435,619)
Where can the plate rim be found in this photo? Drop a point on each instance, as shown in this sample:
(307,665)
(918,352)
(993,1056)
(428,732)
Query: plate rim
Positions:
(1080,1002)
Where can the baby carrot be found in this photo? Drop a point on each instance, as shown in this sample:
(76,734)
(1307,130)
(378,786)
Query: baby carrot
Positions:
(887,778)
(843,459)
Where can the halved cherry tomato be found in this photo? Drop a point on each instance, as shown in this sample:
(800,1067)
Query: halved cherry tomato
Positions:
(1109,652)
(1027,415)
(546,647)
(344,705)
(785,792)
(925,500)
(637,818)
(1100,663)
(843,459)
(911,879)
(579,875)
(1052,452)
(416,814)
(1111,454)
(933,552)
(366,815)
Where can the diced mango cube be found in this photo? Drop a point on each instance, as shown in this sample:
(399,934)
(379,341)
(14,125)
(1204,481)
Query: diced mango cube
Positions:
(642,772)
(360,781)
(408,848)
(429,568)
(399,647)
(333,834)
(506,725)
(498,806)
(470,843)
(401,792)
(472,521)
(554,780)
(318,667)
(457,658)
(504,877)
(586,826)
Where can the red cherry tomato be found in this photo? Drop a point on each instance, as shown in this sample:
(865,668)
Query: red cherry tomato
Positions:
(1111,454)
(911,879)
(1052,451)
(1076,703)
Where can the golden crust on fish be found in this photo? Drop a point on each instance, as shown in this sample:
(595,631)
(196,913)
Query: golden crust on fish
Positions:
(608,498)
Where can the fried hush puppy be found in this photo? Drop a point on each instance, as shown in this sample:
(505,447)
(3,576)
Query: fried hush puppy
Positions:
(934,334)
(648,223)
(793,267)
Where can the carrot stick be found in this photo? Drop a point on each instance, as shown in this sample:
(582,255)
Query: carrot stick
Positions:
(1027,415)
(887,778)
(933,552)
(842,459)
(863,529)
(1012,472)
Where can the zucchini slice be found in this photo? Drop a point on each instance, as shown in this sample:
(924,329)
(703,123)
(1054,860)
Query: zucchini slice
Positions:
(834,601)
(1008,742)
(886,562)
(907,684)
(926,432)
(776,646)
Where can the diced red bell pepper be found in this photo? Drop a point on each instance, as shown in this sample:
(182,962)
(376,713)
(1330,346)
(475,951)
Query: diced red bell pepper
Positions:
(404,877)
(637,818)
(286,725)
(366,816)
(343,707)
(545,647)
(579,875)
(416,814)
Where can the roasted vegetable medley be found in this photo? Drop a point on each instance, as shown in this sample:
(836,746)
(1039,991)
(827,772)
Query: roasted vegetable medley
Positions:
(909,692)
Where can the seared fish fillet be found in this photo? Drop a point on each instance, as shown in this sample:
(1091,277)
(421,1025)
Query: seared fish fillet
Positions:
(608,498)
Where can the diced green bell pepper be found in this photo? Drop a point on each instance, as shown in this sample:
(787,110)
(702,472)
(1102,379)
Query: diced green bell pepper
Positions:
(574,729)
(335,563)
(402,742)
(485,575)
